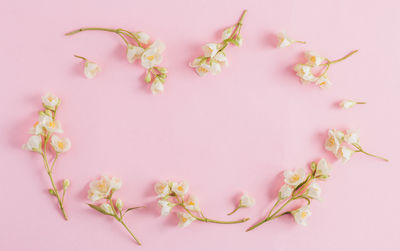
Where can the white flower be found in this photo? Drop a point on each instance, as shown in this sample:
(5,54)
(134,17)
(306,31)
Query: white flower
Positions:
(185,219)
(180,189)
(107,208)
(142,37)
(60,145)
(305,73)
(227,33)
(37,129)
(285,191)
(314,191)
(323,82)
(192,203)
(66,184)
(247,201)
(323,168)
(91,69)
(300,215)
(210,49)
(99,189)
(313,58)
(284,40)
(166,207)
(162,188)
(239,40)
(133,52)
(344,153)
(346,104)
(52,126)
(215,68)
(294,178)
(34,144)
(352,137)
(335,138)
(50,101)
(221,58)
(157,86)
(119,204)
(152,55)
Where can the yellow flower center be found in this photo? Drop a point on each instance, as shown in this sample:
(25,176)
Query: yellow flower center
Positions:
(50,99)
(331,141)
(313,59)
(295,178)
(202,69)
(161,188)
(150,57)
(52,124)
(191,203)
(180,188)
(184,219)
(61,145)
(303,215)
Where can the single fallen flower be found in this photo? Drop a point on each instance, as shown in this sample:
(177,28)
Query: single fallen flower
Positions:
(214,56)
(306,71)
(284,40)
(299,185)
(103,190)
(90,68)
(44,132)
(346,104)
(174,194)
(138,46)
(339,143)
(245,201)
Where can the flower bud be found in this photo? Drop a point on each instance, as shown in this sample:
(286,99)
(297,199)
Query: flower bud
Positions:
(66,184)
(148,76)
(52,192)
(119,204)
(162,70)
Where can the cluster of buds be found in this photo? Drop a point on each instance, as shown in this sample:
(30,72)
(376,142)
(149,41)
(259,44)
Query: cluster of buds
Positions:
(44,132)
(344,144)
(138,46)
(102,191)
(299,184)
(214,56)
(307,72)
(175,194)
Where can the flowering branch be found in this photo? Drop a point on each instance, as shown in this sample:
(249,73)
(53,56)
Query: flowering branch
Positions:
(336,140)
(306,71)
(43,132)
(138,47)
(298,185)
(104,189)
(214,56)
(173,194)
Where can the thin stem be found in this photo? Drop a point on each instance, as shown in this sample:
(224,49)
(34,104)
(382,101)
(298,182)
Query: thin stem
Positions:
(54,161)
(342,58)
(127,228)
(60,202)
(234,210)
(273,207)
(116,31)
(77,56)
(361,103)
(236,32)
(205,219)
(300,42)
(369,154)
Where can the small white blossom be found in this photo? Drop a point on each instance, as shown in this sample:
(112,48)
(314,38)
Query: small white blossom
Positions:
(323,82)
(247,201)
(192,203)
(60,145)
(50,101)
(335,138)
(162,188)
(314,59)
(352,137)
(133,52)
(34,144)
(180,188)
(91,69)
(285,191)
(300,215)
(185,219)
(152,55)
(227,33)
(344,153)
(157,86)
(100,189)
(323,168)
(166,206)
(210,49)
(314,191)
(295,177)
(143,37)
(119,204)
(107,208)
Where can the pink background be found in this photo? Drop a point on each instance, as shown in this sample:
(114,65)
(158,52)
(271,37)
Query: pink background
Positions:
(223,134)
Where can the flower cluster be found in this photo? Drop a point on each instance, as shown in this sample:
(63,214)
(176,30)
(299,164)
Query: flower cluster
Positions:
(344,144)
(214,56)
(103,190)
(44,132)
(175,194)
(346,104)
(299,184)
(307,71)
(284,40)
(138,46)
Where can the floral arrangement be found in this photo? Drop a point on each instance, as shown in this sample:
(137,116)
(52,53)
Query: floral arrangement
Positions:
(44,131)
(138,46)
(339,143)
(103,190)
(306,71)
(174,194)
(299,184)
(214,56)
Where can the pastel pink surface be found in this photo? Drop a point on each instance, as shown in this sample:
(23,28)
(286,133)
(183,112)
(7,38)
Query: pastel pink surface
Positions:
(224,134)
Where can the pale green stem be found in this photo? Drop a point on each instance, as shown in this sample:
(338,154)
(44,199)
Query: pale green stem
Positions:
(369,154)
(234,210)
(83,58)
(116,31)
(342,58)
(204,219)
